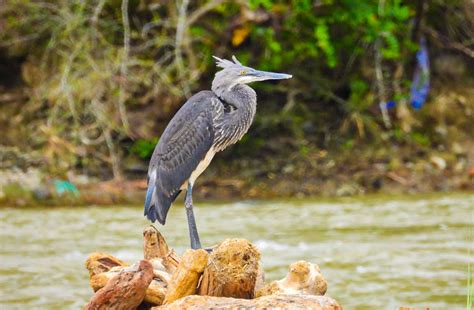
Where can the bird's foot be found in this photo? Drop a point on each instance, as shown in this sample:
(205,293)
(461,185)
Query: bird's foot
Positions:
(209,249)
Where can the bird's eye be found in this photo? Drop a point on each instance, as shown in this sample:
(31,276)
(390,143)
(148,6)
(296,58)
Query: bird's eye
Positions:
(243,72)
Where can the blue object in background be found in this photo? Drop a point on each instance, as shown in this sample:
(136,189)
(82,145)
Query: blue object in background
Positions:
(63,187)
(390,104)
(420,85)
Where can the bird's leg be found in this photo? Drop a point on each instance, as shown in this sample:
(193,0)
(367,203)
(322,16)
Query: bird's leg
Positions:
(193,233)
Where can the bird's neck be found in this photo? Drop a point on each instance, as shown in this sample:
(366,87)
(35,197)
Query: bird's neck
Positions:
(241,96)
(240,105)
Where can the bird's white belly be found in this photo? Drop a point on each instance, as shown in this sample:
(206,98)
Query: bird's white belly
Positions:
(200,168)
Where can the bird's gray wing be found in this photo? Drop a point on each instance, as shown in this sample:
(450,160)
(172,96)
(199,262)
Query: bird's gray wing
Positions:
(184,143)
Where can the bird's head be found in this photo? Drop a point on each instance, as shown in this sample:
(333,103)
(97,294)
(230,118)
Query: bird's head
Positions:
(234,73)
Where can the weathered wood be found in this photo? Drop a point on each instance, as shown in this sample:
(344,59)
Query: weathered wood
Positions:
(232,270)
(185,279)
(98,262)
(302,278)
(157,251)
(266,302)
(125,290)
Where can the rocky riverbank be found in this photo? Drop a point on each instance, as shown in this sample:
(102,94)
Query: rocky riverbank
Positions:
(317,173)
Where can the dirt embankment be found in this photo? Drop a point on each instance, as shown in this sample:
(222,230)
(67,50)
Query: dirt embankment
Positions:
(357,173)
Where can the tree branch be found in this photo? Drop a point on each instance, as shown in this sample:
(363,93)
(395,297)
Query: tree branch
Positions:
(444,41)
(124,65)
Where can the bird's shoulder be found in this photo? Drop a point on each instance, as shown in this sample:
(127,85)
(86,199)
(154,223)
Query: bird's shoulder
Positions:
(201,104)
(203,101)
(196,113)
(189,133)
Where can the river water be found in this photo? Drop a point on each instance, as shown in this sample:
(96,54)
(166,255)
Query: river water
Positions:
(375,252)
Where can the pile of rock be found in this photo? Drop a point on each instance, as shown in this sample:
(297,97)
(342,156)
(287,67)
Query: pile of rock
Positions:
(229,277)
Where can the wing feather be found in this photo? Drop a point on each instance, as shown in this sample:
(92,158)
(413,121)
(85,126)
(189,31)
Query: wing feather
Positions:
(183,145)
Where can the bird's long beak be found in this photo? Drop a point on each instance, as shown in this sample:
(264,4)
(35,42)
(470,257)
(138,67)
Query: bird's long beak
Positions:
(265,75)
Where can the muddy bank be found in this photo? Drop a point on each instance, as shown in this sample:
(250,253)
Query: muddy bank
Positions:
(318,173)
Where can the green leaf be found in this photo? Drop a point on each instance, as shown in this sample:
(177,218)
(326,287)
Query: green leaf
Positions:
(392,49)
(255,4)
(321,32)
(144,148)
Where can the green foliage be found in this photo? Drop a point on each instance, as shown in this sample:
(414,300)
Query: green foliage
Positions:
(307,30)
(83,81)
(254,4)
(420,139)
(330,44)
(348,145)
(85,85)
(321,32)
(144,148)
(415,138)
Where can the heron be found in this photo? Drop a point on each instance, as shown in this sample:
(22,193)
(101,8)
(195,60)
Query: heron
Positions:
(207,123)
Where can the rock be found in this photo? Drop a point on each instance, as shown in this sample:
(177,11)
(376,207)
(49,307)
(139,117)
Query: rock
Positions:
(157,251)
(98,262)
(349,189)
(230,277)
(457,148)
(155,293)
(303,278)
(265,302)
(41,193)
(232,270)
(124,291)
(185,279)
(29,180)
(438,162)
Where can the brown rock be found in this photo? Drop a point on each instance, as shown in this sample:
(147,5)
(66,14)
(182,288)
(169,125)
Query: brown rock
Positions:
(156,249)
(303,278)
(265,302)
(155,293)
(232,270)
(126,290)
(185,279)
(98,262)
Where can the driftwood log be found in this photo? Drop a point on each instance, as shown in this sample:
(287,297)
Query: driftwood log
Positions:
(230,277)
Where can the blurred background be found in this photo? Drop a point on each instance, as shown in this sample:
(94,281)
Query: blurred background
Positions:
(87,88)
(382,102)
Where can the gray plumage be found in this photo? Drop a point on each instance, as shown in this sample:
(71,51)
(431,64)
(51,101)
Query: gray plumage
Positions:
(207,123)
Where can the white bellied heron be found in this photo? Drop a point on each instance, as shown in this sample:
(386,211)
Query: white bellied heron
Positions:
(207,123)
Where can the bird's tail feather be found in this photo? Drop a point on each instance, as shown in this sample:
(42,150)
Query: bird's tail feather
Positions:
(156,204)
(150,201)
